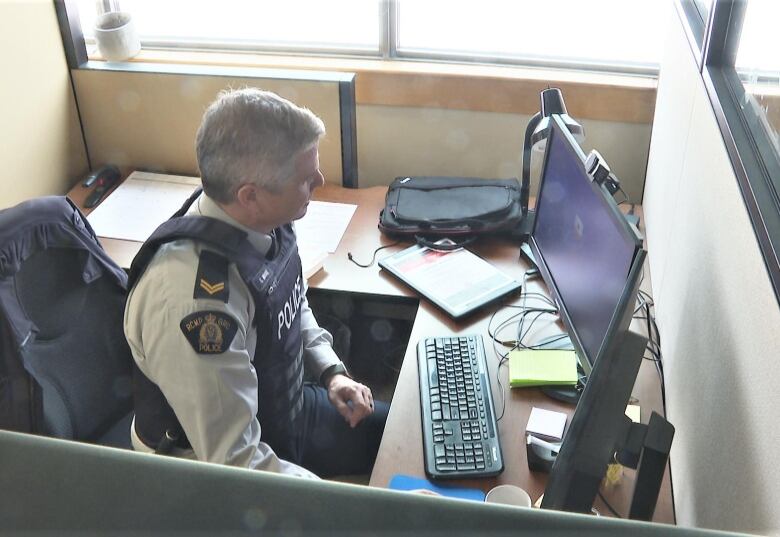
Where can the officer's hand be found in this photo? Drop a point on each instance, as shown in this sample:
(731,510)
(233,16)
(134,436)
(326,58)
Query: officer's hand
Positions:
(352,399)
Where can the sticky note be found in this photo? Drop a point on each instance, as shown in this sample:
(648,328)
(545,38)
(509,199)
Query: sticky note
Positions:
(542,368)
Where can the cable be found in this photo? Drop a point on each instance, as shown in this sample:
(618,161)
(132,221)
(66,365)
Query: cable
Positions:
(611,509)
(645,304)
(373,257)
(626,199)
(518,318)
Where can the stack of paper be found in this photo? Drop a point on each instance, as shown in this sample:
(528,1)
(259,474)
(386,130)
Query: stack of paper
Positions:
(145,200)
(140,204)
(546,424)
(542,368)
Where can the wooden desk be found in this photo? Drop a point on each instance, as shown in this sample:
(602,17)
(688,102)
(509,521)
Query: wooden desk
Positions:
(401,450)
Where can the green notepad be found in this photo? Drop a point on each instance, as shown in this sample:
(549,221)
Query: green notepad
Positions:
(542,368)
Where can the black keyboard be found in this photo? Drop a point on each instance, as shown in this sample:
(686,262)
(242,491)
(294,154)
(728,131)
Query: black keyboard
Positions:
(460,436)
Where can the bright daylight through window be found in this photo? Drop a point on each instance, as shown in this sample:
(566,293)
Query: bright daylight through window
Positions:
(616,35)
(758,67)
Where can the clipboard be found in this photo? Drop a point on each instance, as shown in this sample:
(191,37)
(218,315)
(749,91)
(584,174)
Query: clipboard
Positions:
(458,281)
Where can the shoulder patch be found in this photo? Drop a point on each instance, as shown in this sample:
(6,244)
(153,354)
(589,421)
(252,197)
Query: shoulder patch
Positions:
(211,280)
(209,332)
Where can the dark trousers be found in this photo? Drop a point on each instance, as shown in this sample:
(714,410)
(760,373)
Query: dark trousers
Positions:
(327,446)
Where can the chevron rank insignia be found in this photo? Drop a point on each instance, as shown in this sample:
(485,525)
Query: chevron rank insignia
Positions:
(209,332)
(211,280)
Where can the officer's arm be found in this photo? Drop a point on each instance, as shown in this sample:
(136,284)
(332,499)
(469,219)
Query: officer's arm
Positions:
(213,394)
(317,342)
(195,350)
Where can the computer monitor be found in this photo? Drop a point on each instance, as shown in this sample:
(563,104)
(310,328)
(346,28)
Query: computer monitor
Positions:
(591,260)
(599,425)
(582,243)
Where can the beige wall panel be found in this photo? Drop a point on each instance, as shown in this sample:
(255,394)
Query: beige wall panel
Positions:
(678,79)
(720,345)
(41,148)
(149,120)
(394,141)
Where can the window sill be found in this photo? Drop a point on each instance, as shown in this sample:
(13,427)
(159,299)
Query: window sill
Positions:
(481,88)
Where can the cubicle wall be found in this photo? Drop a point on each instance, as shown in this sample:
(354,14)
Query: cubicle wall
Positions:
(394,140)
(146,117)
(55,487)
(41,148)
(149,120)
(717,313)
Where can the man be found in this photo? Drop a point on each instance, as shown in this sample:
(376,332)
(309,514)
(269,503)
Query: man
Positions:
(217,317)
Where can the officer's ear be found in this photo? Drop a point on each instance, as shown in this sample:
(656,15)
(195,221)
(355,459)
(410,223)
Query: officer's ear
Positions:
(247,196)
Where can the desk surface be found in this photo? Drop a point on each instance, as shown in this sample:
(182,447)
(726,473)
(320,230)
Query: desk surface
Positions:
(401,450)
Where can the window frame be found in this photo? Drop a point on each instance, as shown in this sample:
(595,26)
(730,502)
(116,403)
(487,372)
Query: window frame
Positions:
(754,161)
(695,26)
(389,48)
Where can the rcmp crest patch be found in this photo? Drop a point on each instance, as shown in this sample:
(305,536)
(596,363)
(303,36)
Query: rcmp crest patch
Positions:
(209,332)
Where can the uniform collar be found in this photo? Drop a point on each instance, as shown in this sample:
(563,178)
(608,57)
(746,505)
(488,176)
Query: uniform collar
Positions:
(205,206)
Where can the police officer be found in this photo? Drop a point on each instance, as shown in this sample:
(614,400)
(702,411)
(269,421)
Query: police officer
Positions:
(217,317)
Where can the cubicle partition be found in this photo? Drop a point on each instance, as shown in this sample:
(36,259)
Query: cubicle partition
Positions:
(56,487)
(145,116)
(41,150)
(716,311)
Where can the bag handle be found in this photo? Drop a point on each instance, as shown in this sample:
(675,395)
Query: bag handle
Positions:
(443,247)
(468,224)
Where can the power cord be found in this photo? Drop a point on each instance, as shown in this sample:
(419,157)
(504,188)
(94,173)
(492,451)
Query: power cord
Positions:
(645,311)
(609,507)
(373,257)
(517,318)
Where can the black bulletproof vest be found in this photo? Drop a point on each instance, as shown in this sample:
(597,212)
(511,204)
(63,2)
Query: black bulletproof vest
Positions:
(51,262)
(276,285)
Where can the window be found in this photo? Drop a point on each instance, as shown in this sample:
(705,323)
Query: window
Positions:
(741,72)
(695,14)
(621,34)
(613,35)
(704,7)
(327,26)
(758,68)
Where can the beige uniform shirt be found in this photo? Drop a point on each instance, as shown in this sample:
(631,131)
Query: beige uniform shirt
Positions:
(214,396)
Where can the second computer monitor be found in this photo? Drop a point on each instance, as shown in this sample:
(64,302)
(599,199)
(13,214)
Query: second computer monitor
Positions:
(583,244)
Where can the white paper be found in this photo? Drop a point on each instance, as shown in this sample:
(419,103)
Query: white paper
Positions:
(546,423)
(312,259)
(324,224)
(140,204)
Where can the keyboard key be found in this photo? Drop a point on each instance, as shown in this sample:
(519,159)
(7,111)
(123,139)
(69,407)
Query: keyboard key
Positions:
(457,398)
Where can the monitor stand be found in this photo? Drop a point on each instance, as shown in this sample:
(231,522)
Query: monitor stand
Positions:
(567,394)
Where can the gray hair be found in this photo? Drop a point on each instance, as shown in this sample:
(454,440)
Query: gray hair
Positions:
(252,136)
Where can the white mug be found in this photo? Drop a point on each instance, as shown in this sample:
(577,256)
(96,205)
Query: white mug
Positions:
(508,495)
(116,37)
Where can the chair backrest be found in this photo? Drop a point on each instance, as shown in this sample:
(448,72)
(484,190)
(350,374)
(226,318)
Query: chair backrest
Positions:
(65,368)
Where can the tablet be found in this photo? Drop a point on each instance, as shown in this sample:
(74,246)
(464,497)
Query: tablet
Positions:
(457,281)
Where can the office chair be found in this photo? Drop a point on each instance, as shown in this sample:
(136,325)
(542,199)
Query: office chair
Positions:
(65,366)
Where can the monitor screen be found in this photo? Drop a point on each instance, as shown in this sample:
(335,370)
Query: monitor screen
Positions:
(599,424)
(583,244)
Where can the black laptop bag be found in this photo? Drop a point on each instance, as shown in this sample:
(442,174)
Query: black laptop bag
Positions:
(458,208)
